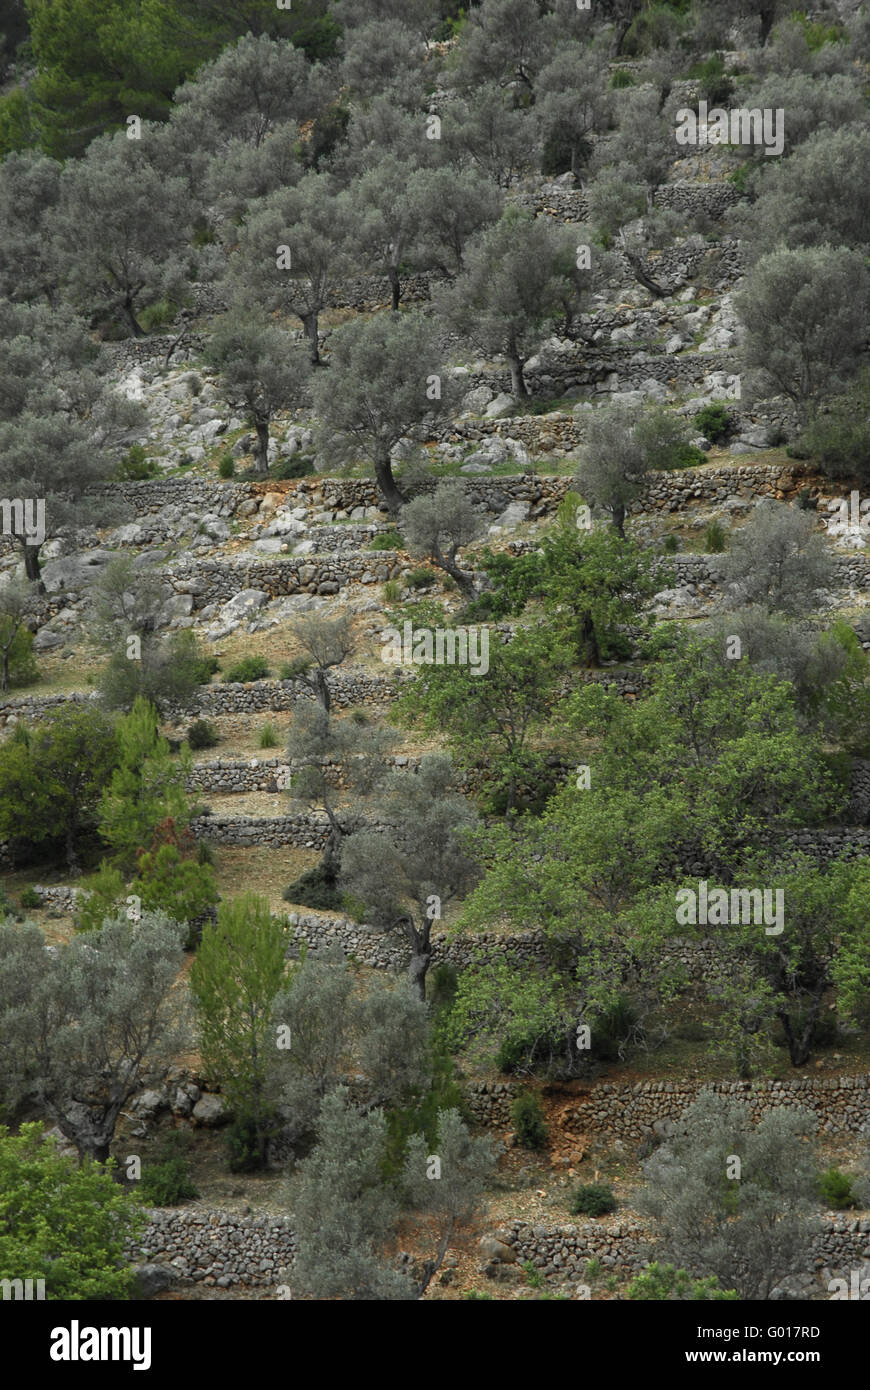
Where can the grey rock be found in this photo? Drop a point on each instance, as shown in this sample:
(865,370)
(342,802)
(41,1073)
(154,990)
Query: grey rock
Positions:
(210,1111)
(153,1279)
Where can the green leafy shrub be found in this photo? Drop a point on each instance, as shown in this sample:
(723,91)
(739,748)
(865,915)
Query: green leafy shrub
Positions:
(134,466)
(529,1120)
(243,1146)
(666,1284)
(671,544)
(714,538)
(622,77)
(204,668)
(30,898)
(22,664)
(297,467)
(160,314)
(714,421)
(592,1199)
(202,734)
(182,888)
(71,1223)
(689,456)
(420,578)
(99,897)
(742,176)
(714,83)
(314,888)
(167,1181)
(612,1029)
(250,668)
(839,438)
(267,737)
(226,466)
(292,670)
(835,1189)
(387,540)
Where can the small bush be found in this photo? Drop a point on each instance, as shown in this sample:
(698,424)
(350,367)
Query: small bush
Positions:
(292,670)
(297,467)
(835,1189)
(534,1277)
(715,86)
(267,737)
(714,538)
(670,545)
(392,591)
(202,734)
(101,895)
(226,466)
(612,1029)
(30,898)
(387,540)
(243,1147)
(529,1121)
(420,578)
(134,466)
(622,78)
(250,668)
(158,315)
(713,421)
(592,1199)
(168,1183)
(204,668)
(314,888)
(839,439)
(689,456)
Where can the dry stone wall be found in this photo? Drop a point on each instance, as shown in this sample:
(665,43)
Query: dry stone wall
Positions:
(560,1253)
(217,1248)
(840,1104)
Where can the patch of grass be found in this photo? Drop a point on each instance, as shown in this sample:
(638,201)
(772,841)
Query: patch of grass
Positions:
(387,540)
(267,737)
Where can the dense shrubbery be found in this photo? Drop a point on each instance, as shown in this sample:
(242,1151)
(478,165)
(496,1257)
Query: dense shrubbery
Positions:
(529,1121)
(593,1199)
(250,668)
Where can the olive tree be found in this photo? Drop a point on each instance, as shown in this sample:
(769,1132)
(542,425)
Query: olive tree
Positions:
(438,524)
(292,250)
(324,642)
(120,229)
(778,560)
(804,312)
(406,876)
(519,275)
(385,377)
(261,371)
(83,1024)
(318,740)
(733,1199)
